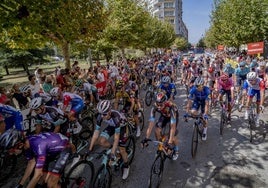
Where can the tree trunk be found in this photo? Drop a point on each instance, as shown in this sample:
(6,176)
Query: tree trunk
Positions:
(123,53)
(6,68)
(66,54)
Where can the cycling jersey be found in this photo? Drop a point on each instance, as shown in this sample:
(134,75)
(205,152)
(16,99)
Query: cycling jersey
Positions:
(12,117)
(199,97)
(254,89)
(52,117)
(225,85)
(76,102)
(116,124)
(196,95)
(169,90)
(241,72)
(44,145)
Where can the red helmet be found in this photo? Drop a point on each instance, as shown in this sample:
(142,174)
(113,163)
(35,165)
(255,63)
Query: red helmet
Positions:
(125,79)
(210,69)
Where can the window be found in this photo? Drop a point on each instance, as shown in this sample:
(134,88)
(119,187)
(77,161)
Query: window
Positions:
(171,21)
(169,5)
(169,13)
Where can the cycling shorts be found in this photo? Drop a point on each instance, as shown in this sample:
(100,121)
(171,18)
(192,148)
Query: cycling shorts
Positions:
(253,92)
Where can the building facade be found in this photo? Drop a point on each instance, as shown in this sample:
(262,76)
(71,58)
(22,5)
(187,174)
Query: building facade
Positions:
(170,11)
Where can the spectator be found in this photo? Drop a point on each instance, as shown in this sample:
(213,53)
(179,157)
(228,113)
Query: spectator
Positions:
(48,84)
(3,96)
(19,100)
(61,82)
(35,87)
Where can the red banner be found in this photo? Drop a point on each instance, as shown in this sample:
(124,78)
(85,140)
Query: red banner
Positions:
(220,47)
(255,48)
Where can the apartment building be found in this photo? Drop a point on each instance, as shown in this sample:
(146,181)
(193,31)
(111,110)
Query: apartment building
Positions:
(170,11)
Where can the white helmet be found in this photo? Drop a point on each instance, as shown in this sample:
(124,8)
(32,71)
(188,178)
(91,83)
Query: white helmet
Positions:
(54,91)
(262,63)
(36,103)
(166,79)
(25,88)
(45,96)
(10,138)
(251,75)
(104,106)
(199,81)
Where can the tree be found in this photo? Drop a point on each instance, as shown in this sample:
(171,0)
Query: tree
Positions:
(63,22)
(236,22)
(181,43)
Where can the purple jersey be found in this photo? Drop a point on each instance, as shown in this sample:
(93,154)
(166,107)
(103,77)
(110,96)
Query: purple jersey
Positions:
(46,144)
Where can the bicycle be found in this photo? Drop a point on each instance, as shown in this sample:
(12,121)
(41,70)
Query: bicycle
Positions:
(157,167)
(103,176)
(197,132)
(150,95)
(79,175)
(8,163)
(252,119)
(224,115)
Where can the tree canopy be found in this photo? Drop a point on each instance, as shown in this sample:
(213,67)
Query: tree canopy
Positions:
(236,22)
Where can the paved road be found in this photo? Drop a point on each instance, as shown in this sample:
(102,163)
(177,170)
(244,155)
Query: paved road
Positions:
(222,161)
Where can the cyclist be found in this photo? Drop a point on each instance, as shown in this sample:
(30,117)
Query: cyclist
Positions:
(70,100)
(255,86)
(168,115)
(168,87)
(48,117)
(47,154)
(225,86)
(85,90)
(9,117)
(116,126)
(241,75)
(229,69)
(199,97)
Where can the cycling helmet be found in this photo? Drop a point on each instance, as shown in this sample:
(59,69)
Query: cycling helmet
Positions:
(199,81)
(25,88)
(210,69)
(242,64)
(133,86)
(166,79)
(10,138)
(161,97)
(54,91)
(78,82)
(104,106)
(36,103)
(119,84)
(262,64)
(251,75)
(224,76)
(228,65)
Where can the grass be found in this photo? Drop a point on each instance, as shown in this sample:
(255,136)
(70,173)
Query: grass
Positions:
(18,75)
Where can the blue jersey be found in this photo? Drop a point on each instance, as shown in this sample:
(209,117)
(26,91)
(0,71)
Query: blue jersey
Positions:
(199,96)
(169,90)
(12,117)
(241,72)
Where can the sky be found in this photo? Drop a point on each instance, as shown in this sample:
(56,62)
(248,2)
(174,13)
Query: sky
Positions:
(195,15)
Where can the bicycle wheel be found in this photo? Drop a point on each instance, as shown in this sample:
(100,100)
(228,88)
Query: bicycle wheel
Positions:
(156,172)
(80,175)
(103,178)
(141,120)
(130,148)
(194,141)
(7,165)
(148,98)
(222,121)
